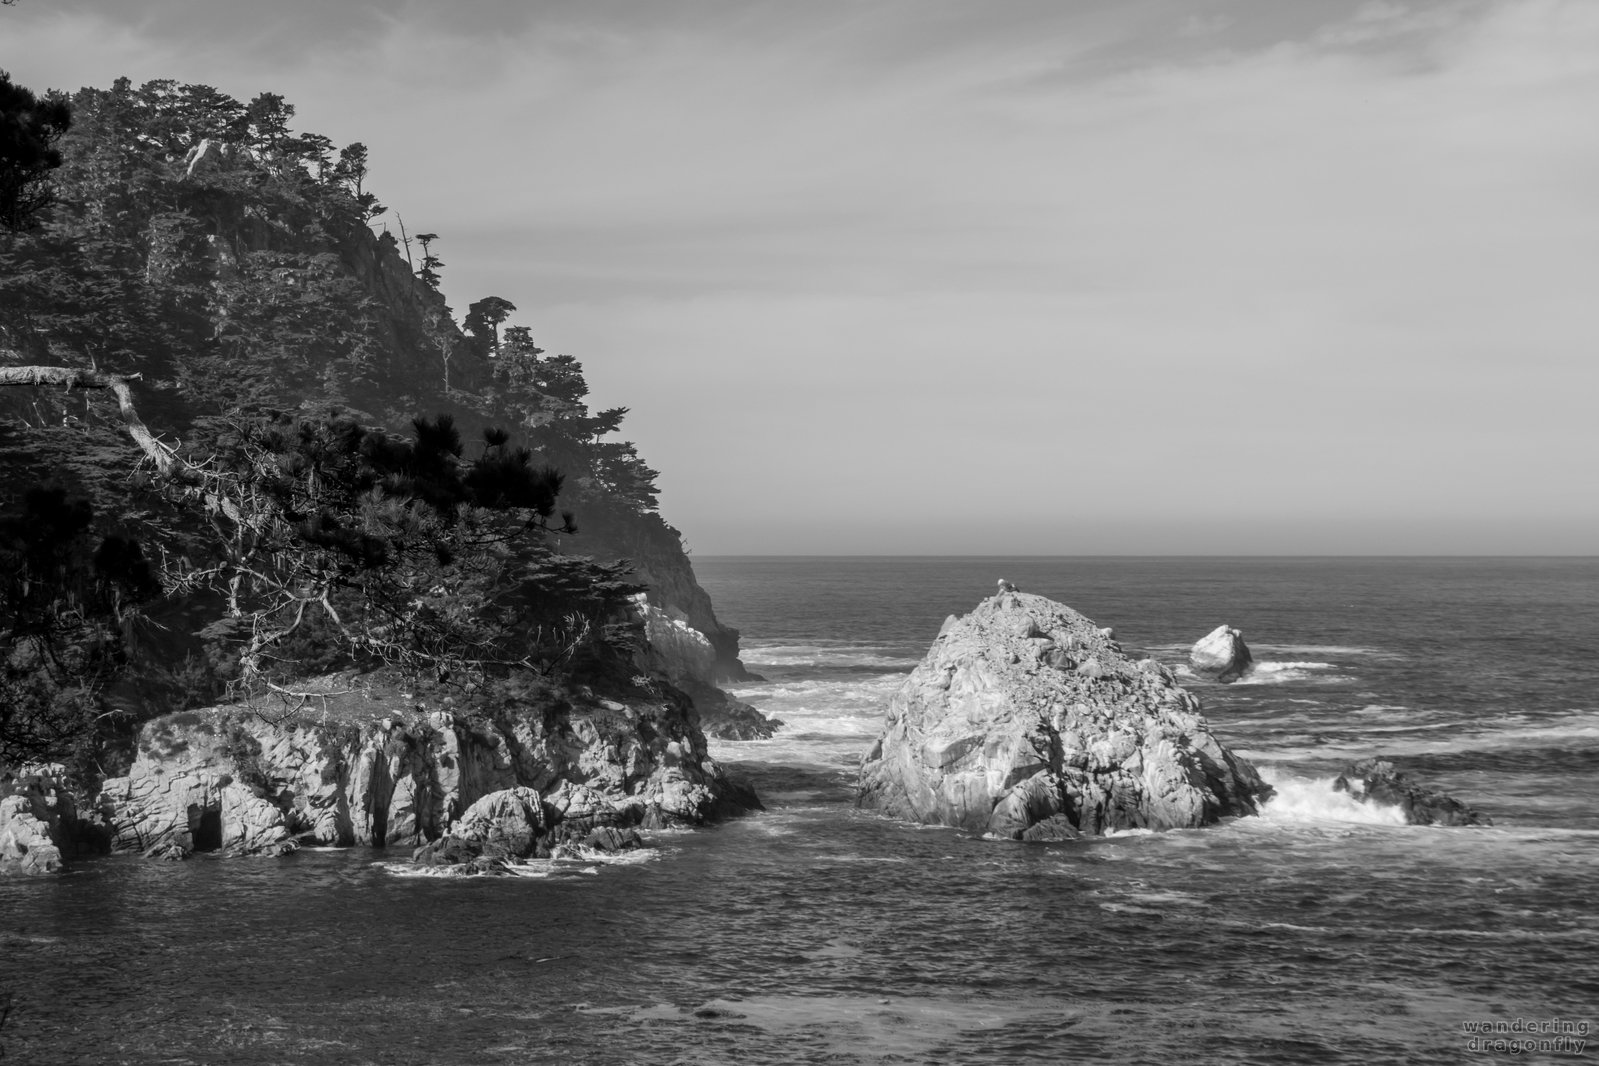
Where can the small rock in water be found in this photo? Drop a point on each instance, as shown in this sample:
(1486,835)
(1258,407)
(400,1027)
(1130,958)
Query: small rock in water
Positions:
(1377,781)
(1221,654)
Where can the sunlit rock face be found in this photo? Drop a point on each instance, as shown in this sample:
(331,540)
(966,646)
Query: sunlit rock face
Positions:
(1027,721)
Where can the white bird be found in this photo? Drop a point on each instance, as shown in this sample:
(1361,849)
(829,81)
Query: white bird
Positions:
(1006,586)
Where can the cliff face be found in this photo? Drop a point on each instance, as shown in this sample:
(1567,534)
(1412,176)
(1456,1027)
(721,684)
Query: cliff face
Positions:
(656,552)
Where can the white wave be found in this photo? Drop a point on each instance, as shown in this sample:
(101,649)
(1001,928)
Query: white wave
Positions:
(833,660)
(534,869)
(855,690)
(825,654)
(1508,733)
(1279,673)
(1346,650)
(1299,801)
(578,859)
(631,857)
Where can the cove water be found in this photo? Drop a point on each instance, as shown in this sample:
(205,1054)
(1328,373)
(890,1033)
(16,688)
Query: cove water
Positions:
(1318,932)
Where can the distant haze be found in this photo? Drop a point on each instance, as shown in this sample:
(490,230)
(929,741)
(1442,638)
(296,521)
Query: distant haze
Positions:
(1144,276)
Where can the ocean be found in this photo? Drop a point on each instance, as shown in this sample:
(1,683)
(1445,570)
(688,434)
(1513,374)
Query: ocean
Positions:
(1318,932)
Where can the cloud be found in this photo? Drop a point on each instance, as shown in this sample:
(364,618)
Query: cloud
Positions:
(1130,268)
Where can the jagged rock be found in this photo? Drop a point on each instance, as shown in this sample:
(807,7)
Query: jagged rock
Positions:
(40,823)
(1221,654)
(725,718)
(676,648)
(25,842)
(611,839)
(1377,781)
(993,732)
(370,770)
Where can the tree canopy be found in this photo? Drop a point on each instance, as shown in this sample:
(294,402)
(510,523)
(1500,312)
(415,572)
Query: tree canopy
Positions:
(29,130)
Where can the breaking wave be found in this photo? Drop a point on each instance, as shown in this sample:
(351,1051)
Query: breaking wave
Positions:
(1300,801)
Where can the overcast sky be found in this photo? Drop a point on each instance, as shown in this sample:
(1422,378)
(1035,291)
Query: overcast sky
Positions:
(1076,277)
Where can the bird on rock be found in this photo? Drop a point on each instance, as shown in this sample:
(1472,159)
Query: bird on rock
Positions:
(1006,586)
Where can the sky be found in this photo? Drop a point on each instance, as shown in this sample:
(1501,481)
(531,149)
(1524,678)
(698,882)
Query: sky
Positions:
(927,277)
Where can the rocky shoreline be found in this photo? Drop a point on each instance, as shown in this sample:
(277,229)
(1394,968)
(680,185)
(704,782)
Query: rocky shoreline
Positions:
(1025,721)
(373,767)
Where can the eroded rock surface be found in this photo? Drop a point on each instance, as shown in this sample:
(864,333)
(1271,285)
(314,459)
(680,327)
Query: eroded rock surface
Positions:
(239,780)
(1221,654)
(1027,721)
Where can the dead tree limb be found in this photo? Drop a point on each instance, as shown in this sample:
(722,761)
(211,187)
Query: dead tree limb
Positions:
(165,459)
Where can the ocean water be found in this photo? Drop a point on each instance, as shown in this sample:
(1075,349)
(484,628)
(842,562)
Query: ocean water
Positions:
(1318,932)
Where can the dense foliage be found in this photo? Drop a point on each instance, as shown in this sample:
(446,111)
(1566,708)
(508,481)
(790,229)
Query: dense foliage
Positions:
(332,544)
(244,275)
(29,129)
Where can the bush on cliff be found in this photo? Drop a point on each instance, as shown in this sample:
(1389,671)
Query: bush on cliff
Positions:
(332,544)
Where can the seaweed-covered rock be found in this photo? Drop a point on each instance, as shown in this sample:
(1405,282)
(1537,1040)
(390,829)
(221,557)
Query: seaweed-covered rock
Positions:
(1378,781)
(1027,721)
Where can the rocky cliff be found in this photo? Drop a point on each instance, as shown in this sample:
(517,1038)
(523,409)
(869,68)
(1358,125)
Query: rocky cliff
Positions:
(1027,721)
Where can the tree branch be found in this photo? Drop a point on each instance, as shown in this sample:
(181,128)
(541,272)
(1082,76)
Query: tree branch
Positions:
(165,459)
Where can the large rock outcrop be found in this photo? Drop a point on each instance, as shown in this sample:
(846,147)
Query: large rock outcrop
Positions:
(1379,782)
(1027,721)
(1221,654)
(374,769)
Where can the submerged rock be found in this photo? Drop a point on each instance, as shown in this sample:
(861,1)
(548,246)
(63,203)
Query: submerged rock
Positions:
(1221,654)
(1026,721)
(1377,781)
